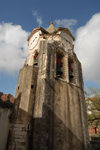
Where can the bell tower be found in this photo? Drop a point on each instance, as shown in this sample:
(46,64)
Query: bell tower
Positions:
(50,112)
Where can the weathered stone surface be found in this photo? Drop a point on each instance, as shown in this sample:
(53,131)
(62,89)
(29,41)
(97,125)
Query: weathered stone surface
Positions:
(63,109)
(23,113)
(4,127)
(19,125)
(20,133)
(50,111)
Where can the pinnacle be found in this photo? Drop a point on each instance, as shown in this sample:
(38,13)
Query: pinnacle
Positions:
(51,28)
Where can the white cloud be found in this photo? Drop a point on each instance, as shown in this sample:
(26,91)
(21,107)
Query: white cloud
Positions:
(13,47)
(87,47)
(37,17)
(67,23)
(39,21)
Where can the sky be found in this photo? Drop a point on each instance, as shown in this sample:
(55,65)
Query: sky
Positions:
(19,17)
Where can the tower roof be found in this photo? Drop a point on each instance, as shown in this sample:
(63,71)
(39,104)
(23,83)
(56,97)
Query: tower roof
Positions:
(66,30)
(51,28)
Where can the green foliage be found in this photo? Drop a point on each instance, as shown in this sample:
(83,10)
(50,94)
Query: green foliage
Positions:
(93,106)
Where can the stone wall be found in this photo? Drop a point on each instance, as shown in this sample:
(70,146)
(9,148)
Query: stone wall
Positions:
(59,111)
(50,113)
(21,124)
(63,122)
(6,105)
(4,127)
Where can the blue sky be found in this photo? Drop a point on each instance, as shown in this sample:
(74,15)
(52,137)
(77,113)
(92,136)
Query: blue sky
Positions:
(18,18)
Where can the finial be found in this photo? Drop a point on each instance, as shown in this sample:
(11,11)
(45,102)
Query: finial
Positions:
(51,21)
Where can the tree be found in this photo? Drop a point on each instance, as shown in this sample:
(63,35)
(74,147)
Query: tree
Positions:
(93,106)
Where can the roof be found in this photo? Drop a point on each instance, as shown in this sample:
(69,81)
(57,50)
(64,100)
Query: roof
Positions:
(35,30)
(6,100)
(65,30)
(92,99)
(51,30)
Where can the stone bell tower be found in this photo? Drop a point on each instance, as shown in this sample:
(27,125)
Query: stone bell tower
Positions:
(50,111)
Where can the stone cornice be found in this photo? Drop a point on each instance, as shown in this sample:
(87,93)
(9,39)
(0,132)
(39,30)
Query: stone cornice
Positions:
(35,30)
(66,30)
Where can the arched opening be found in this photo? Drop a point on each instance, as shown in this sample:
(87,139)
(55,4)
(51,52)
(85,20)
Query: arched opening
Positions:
(59,64)
(36,56)
(71,69)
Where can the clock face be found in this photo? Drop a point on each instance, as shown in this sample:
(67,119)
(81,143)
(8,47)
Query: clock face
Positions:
(34,40)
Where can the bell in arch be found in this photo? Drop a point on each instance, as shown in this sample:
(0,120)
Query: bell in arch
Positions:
(59,66)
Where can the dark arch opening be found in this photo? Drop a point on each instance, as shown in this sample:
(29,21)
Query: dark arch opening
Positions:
(36,56)
(59,64)
(71,69)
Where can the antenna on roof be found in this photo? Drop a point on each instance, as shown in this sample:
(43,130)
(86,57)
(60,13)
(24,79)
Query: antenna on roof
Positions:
(51,20)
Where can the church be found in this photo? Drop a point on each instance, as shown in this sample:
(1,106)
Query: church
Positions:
(49,111)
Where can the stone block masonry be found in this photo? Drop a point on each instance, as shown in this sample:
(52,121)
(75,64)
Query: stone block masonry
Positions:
(50,112)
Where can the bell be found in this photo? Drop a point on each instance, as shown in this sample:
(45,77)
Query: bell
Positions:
(59,72)
(71,74)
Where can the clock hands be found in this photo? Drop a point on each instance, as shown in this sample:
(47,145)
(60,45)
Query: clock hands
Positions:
(34,39)
(67,41)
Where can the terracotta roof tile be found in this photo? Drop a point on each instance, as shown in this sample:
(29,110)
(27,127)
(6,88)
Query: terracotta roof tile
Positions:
(6,99)
(12,99)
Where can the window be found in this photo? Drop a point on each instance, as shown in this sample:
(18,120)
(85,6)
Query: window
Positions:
(32,86)
(59,66)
